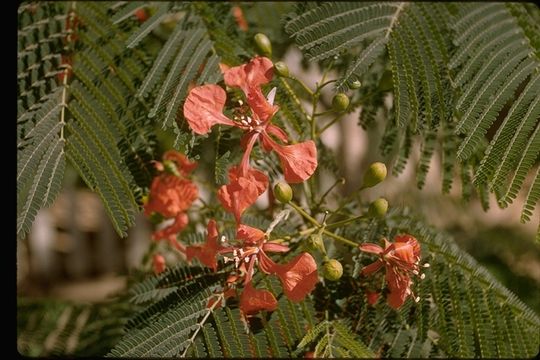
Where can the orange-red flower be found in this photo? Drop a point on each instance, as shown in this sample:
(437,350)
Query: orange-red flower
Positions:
(171,195)
(207,252)
(401,260)
(242,191)
(204,105)
(298,277)
(158,262)
(239,18)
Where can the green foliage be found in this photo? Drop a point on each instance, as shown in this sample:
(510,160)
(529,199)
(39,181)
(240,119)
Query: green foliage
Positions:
(52,328)
(454,71)
(337,340)
(451,319)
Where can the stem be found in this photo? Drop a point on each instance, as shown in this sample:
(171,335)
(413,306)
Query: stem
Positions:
(306,88)
(343,222)
(325,127)
(201,323)
(294,97)
(338,181)
(319,226)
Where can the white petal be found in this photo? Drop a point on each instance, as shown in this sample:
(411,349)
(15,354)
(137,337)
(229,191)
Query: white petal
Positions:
(271,95)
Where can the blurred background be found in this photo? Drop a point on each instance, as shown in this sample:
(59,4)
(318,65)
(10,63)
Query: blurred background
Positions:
(73,253)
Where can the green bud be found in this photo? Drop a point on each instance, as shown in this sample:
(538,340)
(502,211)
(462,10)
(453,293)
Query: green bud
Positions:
(170,167)
(375,174)
(315,243)
(281,69)
(263,44)
(340,102)
(385,84)
(378,208)
(283,192)
(356,85)
(332,270)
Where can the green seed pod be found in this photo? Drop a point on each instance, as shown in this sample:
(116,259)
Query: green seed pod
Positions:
(385,84)
(356,85)
(281,69)
(375,174)
(283,192)
(263,44)
(340,102)
(315,243)
(378,208)
(332,270)
(170,167)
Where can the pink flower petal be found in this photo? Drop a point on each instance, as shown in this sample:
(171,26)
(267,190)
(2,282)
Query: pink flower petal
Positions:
(249,235)
(298,161)
(275,247)
(298,277)
(371,268)
(257,72)
(207,252)
(242,192)
(371,248)
(252,300)
(204,108)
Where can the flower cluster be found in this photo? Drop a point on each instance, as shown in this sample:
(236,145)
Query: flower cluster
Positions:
(400,260)
(203,109)
(171,194)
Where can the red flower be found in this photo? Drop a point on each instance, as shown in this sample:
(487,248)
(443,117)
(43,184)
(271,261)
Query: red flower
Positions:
(242,191)
(206,253)
(239,18)
(170,195)
(252,300)
(298,277)
(158,263)
(141,15)
(204,108)
(400,259)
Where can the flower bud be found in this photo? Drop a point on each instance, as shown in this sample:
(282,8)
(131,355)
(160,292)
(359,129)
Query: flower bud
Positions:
(378,208)
(356,85)
(340,102)
(281,69)
(283,192)
(375,174)
(332,270)
(315,243)
(158,263)
(263,44)
(385,84)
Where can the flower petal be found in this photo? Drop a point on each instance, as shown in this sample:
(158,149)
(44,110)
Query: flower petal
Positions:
(371,248)
(252,300)
(371,268)
(257,72)
(298,161)
(158,263)
(298,277)
(182,162)
(398,286)
(372,297)
(207,252)
(267,265)
(249,235)
(275,247)
(409,239)
(204,108)
(170,195)
(170,232)
(242,192)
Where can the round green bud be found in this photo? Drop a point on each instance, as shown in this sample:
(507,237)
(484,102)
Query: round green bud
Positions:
(340,102)
(356,85)
(281,69)
(385,84)
(332,270)
(375,174)
(315,243)
(378,208)
(283,192)
(263,44)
